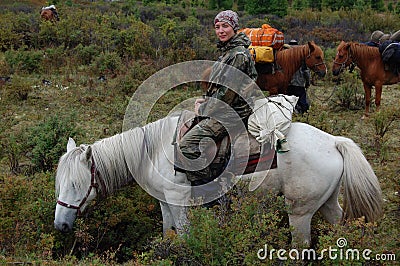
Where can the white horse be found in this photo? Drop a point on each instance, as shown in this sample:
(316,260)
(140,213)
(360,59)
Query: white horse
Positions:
(309,176)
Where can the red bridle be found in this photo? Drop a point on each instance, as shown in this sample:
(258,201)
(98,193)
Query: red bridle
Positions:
(93,184)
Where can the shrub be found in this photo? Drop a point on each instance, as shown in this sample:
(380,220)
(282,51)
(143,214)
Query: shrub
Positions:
(120,224)
(48,140)
(355,236)
(349,93)
(134,41)
(13,151)
(227,236)
(19,88)
(383,121)
(27,215)
(47,35)
(54,59)
(84,55)
(107,63)
(8,37)
(24,61)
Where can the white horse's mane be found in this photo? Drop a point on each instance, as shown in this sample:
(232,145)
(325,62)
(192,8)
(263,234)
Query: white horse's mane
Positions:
(118,159)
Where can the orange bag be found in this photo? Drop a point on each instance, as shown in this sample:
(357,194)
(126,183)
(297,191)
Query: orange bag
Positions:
(265,36)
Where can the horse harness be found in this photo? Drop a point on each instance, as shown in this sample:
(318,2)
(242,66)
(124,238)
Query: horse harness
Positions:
(314,67)
(343,65)
(93,184)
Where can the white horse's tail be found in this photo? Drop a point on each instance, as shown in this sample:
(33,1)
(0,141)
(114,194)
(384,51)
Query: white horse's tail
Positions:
(362,193)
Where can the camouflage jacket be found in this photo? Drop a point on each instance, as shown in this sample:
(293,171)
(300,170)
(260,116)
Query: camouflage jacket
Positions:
(302,77)
(236,54)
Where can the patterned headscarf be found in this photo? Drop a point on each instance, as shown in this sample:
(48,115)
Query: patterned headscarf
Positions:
(230,17)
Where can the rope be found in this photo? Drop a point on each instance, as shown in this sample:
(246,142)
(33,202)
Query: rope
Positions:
(276,103)
(327,98)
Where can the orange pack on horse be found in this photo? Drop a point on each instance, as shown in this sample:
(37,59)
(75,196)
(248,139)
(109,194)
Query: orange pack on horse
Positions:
(369,61)
(288,61)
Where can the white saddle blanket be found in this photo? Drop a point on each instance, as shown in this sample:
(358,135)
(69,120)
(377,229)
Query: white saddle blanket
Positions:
(49,7)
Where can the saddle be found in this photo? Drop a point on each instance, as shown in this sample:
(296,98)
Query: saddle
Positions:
(245,161)
(390,53)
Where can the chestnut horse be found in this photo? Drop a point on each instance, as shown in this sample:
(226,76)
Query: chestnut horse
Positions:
(369,61)
(289,61)
(48,15)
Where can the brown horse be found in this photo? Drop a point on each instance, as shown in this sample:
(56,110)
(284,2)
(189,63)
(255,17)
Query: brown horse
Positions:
(369,61)
(289,61)
(49,15)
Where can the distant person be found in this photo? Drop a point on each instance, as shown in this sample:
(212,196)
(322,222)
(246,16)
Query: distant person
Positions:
(395,36)
(298,85)
(385,37)
(375,38)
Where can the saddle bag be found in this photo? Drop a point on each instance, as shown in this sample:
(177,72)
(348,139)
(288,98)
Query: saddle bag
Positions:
(272,118)
(262,54)
(265,36)
(390,52)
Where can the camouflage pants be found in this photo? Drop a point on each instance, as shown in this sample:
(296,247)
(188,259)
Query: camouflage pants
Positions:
(193,146)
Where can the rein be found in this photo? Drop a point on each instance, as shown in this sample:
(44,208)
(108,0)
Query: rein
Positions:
(93,184)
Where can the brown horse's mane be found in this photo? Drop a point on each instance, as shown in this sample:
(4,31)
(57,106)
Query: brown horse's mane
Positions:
(362,51)
(285,58)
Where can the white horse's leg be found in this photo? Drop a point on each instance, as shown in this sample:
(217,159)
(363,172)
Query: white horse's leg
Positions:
(301,234)
(168,220)
(331,209)
(181,221)
(177,195)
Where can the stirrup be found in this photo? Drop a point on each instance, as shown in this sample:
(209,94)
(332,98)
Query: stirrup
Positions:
(283,146)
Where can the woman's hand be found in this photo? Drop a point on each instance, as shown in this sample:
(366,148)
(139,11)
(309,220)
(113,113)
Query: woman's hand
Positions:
(197,104)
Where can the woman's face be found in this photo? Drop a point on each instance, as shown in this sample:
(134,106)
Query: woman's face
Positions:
(224,31)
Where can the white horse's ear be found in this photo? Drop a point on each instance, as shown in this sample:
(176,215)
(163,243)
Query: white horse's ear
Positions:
(87,154)
(71,144)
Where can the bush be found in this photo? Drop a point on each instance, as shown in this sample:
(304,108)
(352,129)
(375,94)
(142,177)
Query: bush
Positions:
(24,61)
(19,88)
(48,139)
(120,224)
(227,236)
(107,63)
(134,42)
(84,55)
(27,215)
(383,121)
(18,30)
(349,93)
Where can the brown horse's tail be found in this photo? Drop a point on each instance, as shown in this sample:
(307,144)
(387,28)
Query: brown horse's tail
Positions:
(205,76)
(362,193)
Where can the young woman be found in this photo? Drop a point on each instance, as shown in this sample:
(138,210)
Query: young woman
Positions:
(213,109)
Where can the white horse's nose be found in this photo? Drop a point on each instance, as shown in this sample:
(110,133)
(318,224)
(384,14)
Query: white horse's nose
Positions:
(62,227)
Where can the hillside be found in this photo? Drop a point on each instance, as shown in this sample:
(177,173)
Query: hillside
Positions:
(75,78)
